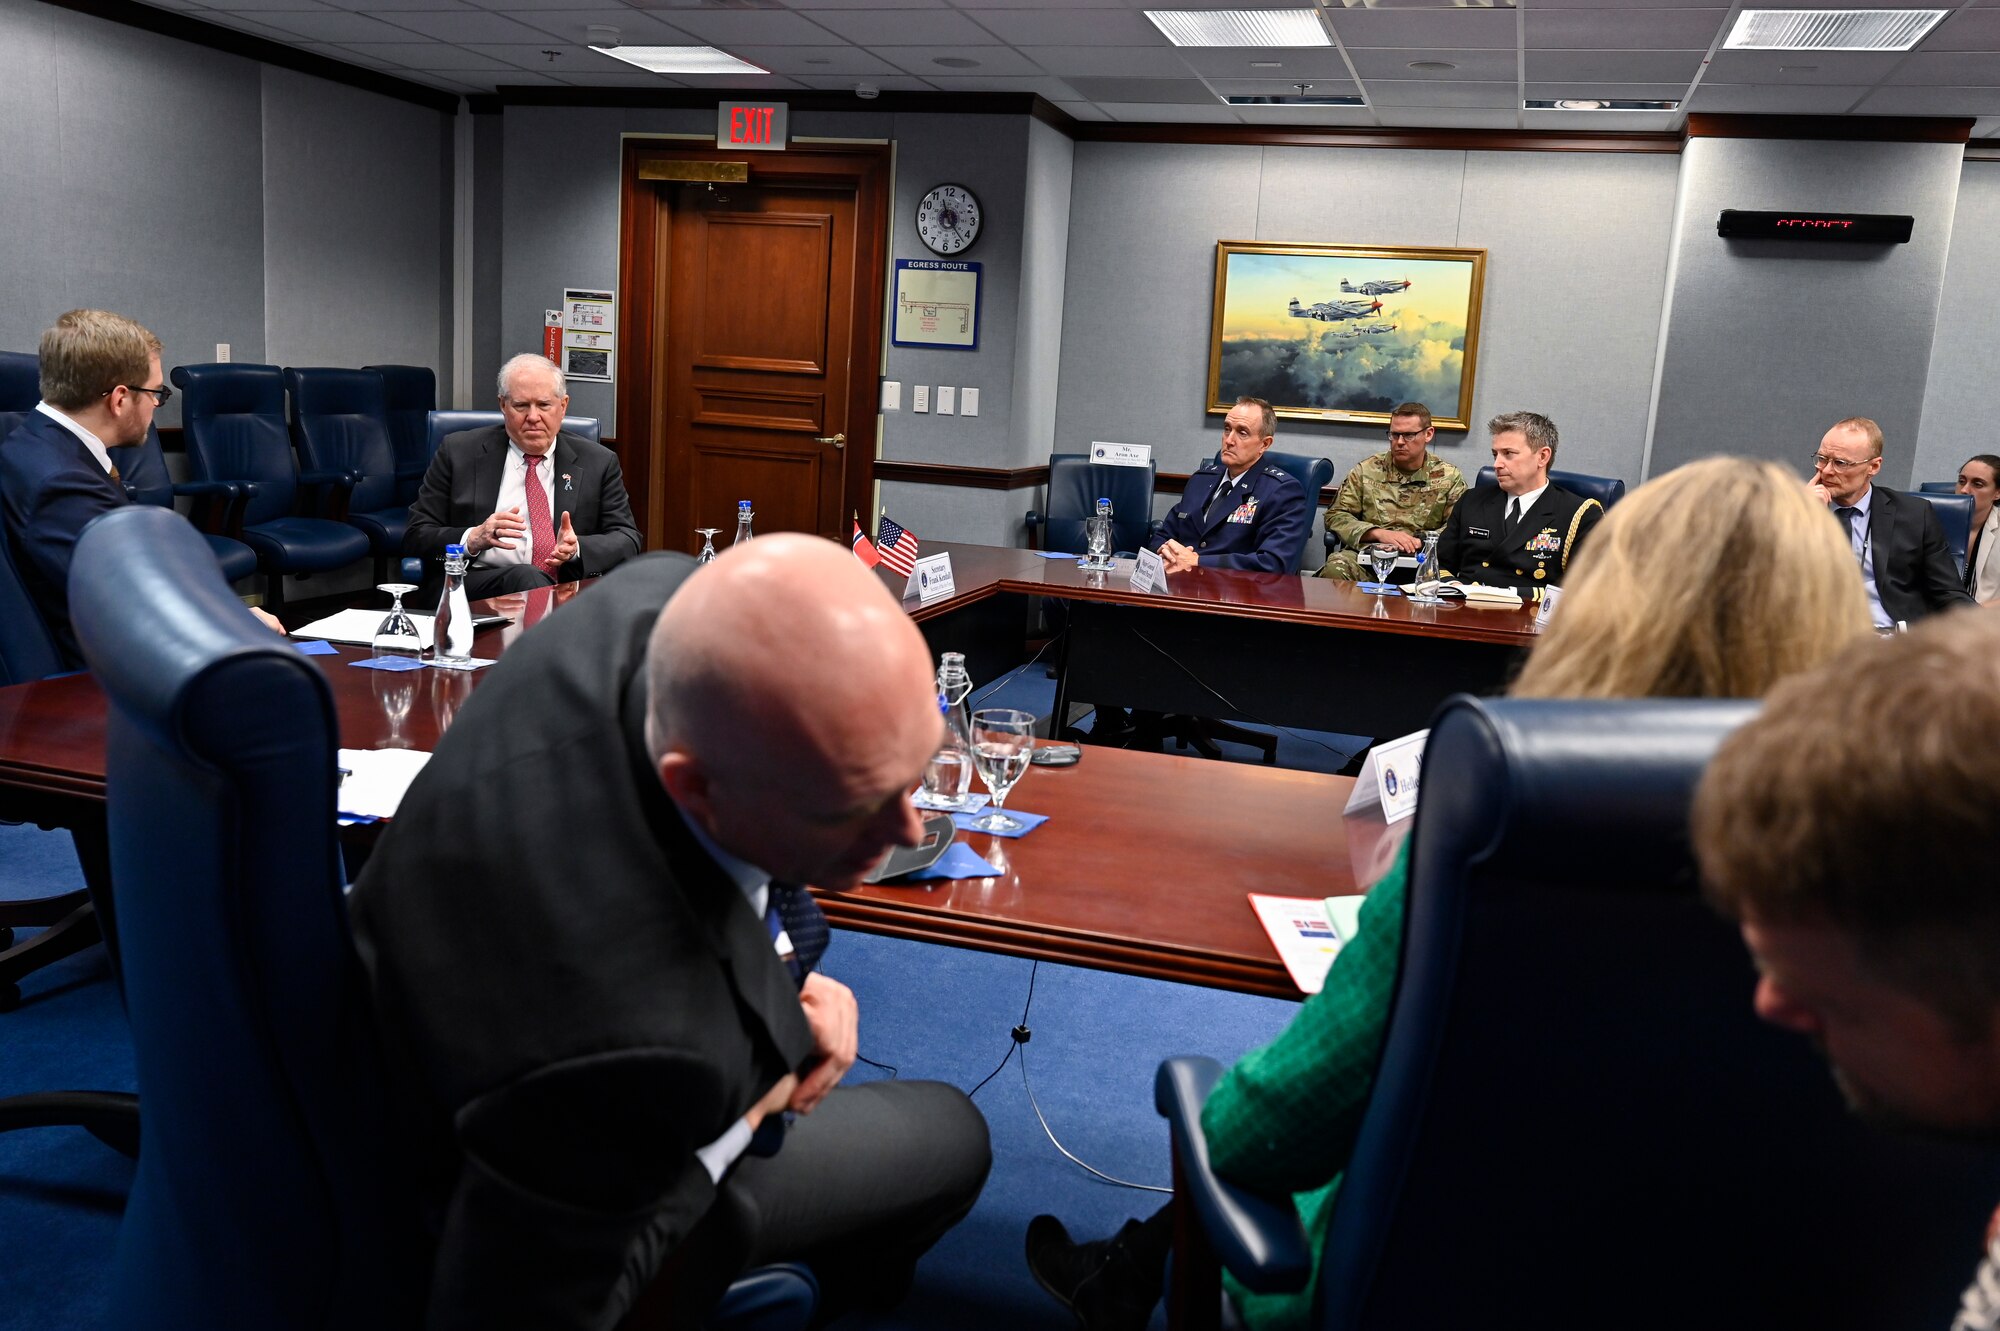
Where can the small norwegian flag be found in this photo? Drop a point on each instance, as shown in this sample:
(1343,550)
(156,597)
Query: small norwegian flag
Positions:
(864,549)
(897,547)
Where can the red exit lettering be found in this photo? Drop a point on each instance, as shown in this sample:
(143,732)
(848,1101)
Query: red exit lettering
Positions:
(750,124)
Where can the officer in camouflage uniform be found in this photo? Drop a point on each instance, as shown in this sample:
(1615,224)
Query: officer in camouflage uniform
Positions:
(1394,496)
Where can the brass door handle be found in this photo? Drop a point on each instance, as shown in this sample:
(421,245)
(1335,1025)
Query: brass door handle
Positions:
(837,440)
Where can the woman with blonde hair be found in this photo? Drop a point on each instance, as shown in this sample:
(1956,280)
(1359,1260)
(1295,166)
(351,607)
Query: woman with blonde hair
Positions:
(1713,581)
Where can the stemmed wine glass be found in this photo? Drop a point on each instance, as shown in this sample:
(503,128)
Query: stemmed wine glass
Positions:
(1003,740)
(1426,571)
(707,534)
(397,632)
(1381,557)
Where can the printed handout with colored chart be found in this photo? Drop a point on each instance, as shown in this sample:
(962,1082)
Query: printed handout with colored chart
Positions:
(1308,932)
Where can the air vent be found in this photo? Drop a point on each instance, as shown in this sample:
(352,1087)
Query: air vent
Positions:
(1241,27)
(1831,29)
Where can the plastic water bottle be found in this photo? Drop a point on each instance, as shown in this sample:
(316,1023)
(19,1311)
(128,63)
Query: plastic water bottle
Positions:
(948,776)
(451,632)
(742,522)
(1097,536)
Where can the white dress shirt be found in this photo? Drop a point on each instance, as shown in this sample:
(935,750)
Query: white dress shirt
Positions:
(1864,553)
(514,494)
(1527,501)
(89,440)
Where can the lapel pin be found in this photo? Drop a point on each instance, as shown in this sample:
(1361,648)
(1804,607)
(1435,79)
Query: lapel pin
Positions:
(566,484)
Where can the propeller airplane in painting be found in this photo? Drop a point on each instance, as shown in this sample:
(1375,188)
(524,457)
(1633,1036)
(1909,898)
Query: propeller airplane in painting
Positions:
(1330,311)
(1374,288)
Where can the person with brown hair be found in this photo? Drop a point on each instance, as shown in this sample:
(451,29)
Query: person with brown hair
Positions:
(1906,567)
(1980,478)
(1523,531)
(1395,496)
(1861,877)
(1285,1118)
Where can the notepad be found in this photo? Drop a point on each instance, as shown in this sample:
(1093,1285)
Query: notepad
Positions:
(376,779)
(358,626)
(1308,932)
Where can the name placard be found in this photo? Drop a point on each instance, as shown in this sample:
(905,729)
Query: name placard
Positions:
(930,578)
(1390,777)
(1121,455)
(1149,572)
(1547,611)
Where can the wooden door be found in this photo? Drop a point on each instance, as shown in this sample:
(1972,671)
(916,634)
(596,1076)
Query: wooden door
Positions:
(759,340)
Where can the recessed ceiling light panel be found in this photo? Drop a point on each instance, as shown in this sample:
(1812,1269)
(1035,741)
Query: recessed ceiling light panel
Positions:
(1290,99)
(1831,29)
(1595,104)
(681,59)
(1241,27)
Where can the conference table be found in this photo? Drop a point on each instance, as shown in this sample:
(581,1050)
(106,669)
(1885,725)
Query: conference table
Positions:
(1144,866)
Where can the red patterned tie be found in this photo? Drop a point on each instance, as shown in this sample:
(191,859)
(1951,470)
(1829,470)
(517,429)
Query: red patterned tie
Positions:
(541,531)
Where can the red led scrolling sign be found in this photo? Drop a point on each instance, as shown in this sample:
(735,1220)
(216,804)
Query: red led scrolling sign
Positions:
(1876,228)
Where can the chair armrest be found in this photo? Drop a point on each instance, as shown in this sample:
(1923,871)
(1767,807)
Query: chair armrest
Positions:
(227,489)
(1258,1239)
(331,491)
(218,506)
(1157,527)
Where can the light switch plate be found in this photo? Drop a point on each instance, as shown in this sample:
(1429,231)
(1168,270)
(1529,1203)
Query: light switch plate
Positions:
(947,400)
(920,398)
(968,402)
(892,395)
(222,353)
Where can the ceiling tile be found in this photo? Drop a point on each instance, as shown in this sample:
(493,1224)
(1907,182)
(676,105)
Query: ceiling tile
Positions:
(974,6)
(1490,66)
(634,28)
(1082,111)
(1790,99)
(332,26)
(1042,85)
(447,82)
(1948,69)
(349,55)
(467,25)
(1186,92)
(1615,66)
(1145,112)
(1142,62)
(1281,88)
(637,78)
(922,61)
(1930,102)
(176,4)
(866,4)
(1420,117)
(1067,27)
(1967,30)
(749,82)
(538,5)
(383,8)
(1623,29)
(570,59)
(1236,62)
(433,56)
(515,78)
(823,61)
(1302,117)
(758,27)
(902,27)
(1849,67)
(887,83)
(1447,29)
(1427,92)
(249,5)
(1630,122)
(1630,92)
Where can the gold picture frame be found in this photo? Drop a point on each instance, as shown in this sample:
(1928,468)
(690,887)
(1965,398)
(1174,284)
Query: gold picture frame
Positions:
(1334,333)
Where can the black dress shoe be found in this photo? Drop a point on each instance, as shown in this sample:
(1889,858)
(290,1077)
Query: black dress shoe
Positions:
(1110,1285)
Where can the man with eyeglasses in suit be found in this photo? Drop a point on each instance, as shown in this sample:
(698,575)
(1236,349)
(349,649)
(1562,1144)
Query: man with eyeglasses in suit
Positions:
(1906,566)
(101,384)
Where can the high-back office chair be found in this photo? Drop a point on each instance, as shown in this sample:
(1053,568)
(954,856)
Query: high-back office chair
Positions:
(1314,474)
(234,426)
(1606,490)
(1938,488)
(409,394)
(1576,1107)
(340,423)
(445,423)
(20,387)
(142,468)
(1954,514)
(266,1195)
(1075,485)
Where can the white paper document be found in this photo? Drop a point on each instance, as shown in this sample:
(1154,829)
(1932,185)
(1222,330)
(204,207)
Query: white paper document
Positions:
(1308,933)
(358,627)
(376,779)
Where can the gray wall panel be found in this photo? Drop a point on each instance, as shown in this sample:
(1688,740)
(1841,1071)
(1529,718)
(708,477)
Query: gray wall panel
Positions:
(1768,342)
(355,198)
(954,513)
(489,165)
(1958,397)
(1044,267)
(31,178)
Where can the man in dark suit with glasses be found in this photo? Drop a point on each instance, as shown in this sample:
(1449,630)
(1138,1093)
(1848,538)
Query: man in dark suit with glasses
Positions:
(1906,566)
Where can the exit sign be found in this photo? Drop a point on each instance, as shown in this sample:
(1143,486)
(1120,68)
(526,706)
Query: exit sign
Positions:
(754,125)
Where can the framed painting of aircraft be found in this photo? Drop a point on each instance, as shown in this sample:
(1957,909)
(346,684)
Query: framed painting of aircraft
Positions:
(1345,332)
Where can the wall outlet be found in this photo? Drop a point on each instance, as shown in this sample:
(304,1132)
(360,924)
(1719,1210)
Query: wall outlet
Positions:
(892,395)
(920,398)
(222,353)
(947,400)
(968,402)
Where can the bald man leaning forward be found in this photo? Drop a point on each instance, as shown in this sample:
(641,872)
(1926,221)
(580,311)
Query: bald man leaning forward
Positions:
(595,979)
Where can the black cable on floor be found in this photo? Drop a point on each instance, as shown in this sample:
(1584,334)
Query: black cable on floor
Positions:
(1179,665)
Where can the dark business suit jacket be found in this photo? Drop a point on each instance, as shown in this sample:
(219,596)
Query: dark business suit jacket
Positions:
(462,488)
(50,489)
(573,997)
(1915,572)
(1261,526)
(1543,545)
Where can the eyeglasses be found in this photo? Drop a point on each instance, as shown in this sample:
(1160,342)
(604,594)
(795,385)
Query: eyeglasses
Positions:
(162,395)
(1821,460)
(545,406)
(1398,436)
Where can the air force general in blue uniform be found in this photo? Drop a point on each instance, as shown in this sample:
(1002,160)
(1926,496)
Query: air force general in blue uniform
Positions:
(1238,511)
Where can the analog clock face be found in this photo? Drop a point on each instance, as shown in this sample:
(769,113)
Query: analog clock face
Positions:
(948,219)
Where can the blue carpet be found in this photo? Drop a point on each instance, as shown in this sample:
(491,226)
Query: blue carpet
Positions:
(932,1012)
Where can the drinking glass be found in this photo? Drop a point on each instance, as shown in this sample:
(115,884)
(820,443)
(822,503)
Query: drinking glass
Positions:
(1426,571)
(707,534)
(1003,740)
(1381,557)
(397,632)
(1097,542)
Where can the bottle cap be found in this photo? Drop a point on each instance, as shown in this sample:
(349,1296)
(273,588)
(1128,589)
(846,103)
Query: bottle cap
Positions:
(1102,500)
(453,551)
(742,504)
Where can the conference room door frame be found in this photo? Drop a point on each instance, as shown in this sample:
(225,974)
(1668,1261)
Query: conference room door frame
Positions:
(647,232)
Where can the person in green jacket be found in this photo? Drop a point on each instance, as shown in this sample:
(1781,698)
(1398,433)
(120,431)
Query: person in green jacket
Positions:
(1733,616)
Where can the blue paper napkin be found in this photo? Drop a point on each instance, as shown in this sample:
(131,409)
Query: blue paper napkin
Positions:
(961,861)
(389,663)
(1379,588)
(317,647)
(1028,822)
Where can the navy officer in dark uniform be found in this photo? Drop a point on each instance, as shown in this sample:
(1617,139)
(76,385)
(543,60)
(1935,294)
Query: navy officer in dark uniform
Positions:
(1238,512)
(1522,533)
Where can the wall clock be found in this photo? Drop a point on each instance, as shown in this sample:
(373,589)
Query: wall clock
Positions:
(948,219)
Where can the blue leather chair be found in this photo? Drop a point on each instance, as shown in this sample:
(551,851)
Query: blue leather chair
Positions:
(20,387)
(446,423)
(1938,488)
(267,1193)
(218,504)
(1576,1107)
(234,426)
(410,395)
(1075,485)
(1606,490)
(340,422)
(1954,514)
(1315,474)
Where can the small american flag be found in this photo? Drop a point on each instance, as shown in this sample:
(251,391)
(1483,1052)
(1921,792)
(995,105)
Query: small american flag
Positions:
(897,547)
(864,551)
